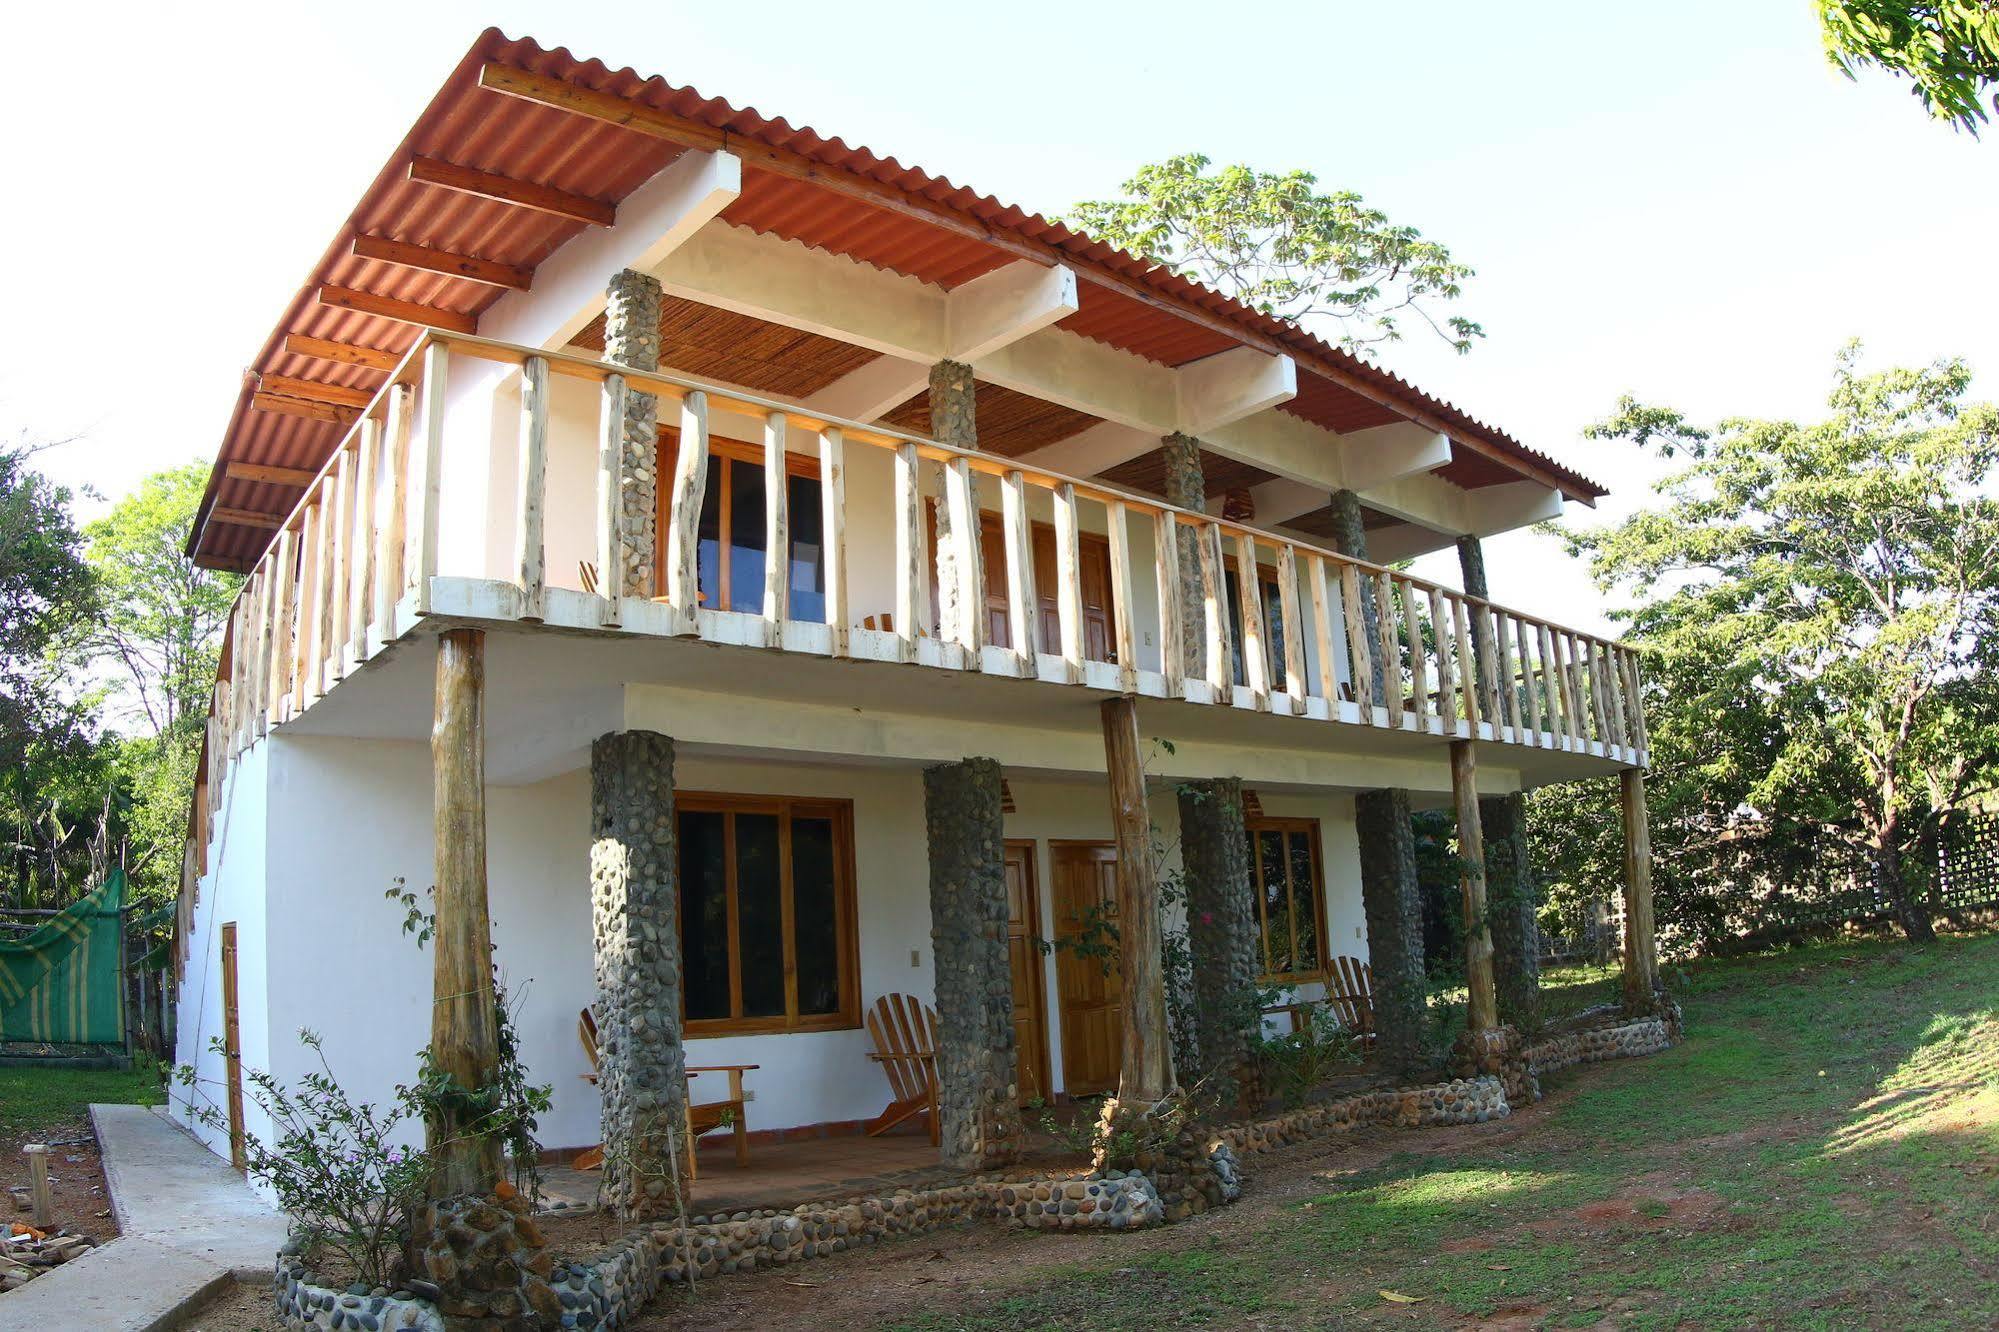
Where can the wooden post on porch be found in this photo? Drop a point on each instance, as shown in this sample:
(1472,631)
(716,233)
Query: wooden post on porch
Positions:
(463,1036)
(1146,1075)
(1481,1010)
(1641,949)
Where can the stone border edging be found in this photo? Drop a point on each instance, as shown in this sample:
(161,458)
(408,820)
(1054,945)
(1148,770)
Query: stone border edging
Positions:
(1623,1040)
(1459,1101)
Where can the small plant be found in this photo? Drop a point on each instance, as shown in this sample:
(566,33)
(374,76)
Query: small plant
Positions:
(336,1165)
(1299,1062)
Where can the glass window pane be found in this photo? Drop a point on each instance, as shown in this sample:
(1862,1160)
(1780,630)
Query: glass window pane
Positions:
(1305,901)
(814,915)
(808,562)
(746,535)
(704,916)
(708,556)
(1277,925)
(760,915)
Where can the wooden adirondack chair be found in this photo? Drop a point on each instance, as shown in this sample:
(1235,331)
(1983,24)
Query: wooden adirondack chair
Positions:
(704,1117)
(1350,994)
(905,1036)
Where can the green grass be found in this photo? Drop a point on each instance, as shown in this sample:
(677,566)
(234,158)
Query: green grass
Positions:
(35,1099)
(1821,1152)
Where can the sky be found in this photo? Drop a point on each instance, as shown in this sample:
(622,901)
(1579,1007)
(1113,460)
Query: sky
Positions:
(1682,202)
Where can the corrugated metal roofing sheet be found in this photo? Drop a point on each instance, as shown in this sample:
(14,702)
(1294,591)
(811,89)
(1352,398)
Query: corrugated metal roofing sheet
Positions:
(1172,320)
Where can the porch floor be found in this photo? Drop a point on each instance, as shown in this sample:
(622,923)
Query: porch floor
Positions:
(801,1170)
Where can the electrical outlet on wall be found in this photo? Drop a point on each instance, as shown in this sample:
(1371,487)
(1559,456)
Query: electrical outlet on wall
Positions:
(749,1094)
(915,957)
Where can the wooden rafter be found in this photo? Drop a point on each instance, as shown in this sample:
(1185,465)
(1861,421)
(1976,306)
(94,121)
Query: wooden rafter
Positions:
(466,266)
(313,391)
(311,411)
(508,190)
(344,353)
(634,115)
(245,518)
(268,474)
(388,307)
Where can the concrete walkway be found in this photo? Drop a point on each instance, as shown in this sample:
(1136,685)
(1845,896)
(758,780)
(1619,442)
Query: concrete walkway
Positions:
(189,1224)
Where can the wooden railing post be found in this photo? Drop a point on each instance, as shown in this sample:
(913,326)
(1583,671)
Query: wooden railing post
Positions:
(1124,632)
(368,461)
(614,406)
(683,542)
(1023,605)
(908,550)
(1359,652)
(390,576)
(1215,615)
(1390,657)
(1172,647)
(530,501)
(339,555)
(305,667)
(1068,583)
(833,533)
(1530,680)
(1467,665)
(1419,667)
(426,494)
(1443,630)
(777,531)
(1255,647)
(282,648)
(1294,626)
(1322,632)
(959,558)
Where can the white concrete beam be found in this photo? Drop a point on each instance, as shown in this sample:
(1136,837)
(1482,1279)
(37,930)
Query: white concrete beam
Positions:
(1502,508)
(1282,500)
(653,221)
(1088,376)
(1386,545)
(1005,306)
(1097,449)
(1229,386)
(874,390)
(1426,499)
(1385,453)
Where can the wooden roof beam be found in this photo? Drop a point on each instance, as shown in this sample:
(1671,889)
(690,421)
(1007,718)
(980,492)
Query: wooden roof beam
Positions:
(311,411)
(245,518)
(269,475)
(312,391)
(343,353)
(388,307)
(508,190)
(465,266)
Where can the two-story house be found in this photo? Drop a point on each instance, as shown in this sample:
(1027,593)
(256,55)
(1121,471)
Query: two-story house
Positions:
(750,576)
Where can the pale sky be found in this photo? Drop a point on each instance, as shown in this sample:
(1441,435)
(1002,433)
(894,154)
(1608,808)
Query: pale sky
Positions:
(1679,201)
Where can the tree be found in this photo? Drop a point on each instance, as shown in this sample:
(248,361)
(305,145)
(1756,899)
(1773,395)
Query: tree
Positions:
(1824,596)
(1949,49)
(163,616)
(1278,244)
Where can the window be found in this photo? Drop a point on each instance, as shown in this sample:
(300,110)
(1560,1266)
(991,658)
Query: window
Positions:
(731,554)
(1286,852)
(766,914)
(1273,625)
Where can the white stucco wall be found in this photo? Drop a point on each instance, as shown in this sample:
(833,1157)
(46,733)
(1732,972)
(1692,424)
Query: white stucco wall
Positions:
(330,823)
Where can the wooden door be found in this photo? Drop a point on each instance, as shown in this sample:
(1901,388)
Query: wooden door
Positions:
(1085,882)
(1093,555)
(232,1045)
(1023,929)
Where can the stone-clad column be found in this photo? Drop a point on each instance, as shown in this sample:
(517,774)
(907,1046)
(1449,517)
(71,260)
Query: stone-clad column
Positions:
(1221,922)
(1512,903)
(978,1099)
(1186,488)
(954,420)
(1393,905)
(1350,539)
(635,906)
(631,337)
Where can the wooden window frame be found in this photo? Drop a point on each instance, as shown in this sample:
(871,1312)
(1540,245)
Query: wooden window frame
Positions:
(846,917)
(1310,828)
(795,464)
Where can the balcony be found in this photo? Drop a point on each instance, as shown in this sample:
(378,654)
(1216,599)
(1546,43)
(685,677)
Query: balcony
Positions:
(410,522)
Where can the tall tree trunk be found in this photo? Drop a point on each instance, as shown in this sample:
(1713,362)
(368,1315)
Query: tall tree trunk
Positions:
(1912,915)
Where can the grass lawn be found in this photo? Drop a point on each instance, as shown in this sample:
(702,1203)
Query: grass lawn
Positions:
(1823,1151)
(36,1099)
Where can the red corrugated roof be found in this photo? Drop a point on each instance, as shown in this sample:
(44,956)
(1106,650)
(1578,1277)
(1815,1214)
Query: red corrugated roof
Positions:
(1128,302)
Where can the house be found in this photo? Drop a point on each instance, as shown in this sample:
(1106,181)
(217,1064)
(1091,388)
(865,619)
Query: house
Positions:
(1082,576)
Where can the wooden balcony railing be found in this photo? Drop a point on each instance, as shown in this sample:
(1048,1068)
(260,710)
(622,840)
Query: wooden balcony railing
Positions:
(357,560)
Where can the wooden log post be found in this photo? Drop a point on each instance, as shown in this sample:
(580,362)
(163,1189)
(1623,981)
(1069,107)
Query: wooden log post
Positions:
(833,534)
(531,492)
(1641,950)
(463,1031)
(1481,1013)
(38,1182)
(1145,1076)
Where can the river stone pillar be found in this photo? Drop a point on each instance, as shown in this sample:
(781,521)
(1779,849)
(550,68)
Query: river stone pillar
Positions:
(1513,900)
(954,420)
(1187,488)
(1350,539)
(631,337)
(635,909)
(1393,905)
(978,1098)
(1221,924)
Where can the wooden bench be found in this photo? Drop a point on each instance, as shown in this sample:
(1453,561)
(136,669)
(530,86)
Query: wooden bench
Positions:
(905,1037)
(702,1117)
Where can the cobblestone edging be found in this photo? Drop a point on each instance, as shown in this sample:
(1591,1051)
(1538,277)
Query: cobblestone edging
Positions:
(300,1303)
(1625,1040)
(1459,1101)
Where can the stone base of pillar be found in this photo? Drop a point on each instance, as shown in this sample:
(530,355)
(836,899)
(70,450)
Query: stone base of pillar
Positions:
(485,1265)
(1664,1007)
(1498,1053)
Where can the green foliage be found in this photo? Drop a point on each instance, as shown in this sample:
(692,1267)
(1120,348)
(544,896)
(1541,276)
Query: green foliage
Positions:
(1302,1060)
(1948,49)
(39,1100)
(1275,242)
(1820,600)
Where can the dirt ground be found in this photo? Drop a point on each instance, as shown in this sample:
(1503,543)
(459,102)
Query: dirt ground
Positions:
(76,1180)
